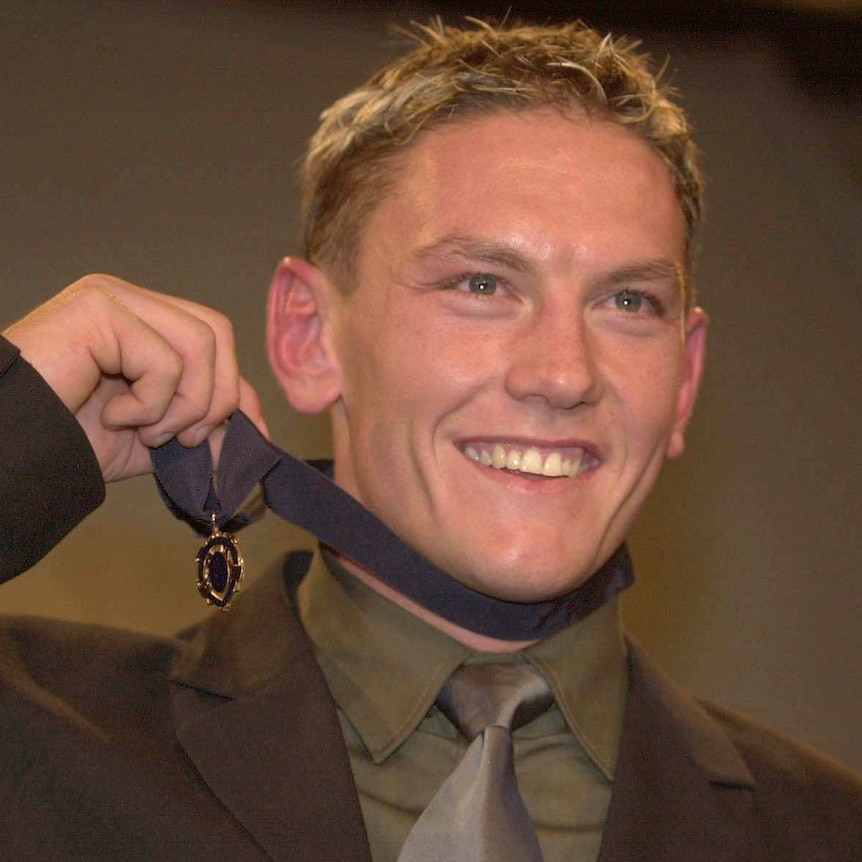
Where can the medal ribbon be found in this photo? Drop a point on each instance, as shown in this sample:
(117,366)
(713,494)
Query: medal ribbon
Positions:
(304,494)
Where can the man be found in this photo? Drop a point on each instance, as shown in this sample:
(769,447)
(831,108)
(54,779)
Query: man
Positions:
(497,312)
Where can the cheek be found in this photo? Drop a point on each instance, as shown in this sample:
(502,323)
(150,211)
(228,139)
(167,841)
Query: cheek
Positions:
(418,371)
(385,389)
(648,394)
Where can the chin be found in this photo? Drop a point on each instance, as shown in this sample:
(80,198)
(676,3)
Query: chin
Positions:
(527,582)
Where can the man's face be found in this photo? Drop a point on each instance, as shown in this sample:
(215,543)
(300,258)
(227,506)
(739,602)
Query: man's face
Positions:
(516,361)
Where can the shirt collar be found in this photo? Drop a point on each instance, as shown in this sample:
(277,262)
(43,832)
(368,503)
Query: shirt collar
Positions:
(385,667)
(585,665)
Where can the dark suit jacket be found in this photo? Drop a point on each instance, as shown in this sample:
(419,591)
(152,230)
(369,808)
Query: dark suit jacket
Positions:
(226,745)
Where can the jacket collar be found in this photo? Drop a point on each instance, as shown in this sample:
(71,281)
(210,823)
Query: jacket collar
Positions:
(682,790)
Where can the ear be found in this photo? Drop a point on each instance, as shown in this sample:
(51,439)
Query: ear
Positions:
(692,370)
(297,337)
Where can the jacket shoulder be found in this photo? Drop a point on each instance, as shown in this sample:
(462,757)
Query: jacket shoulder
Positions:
(809,792)
(101,680)
(733,783)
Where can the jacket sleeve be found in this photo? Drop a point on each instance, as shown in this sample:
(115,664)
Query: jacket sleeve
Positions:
(49,476)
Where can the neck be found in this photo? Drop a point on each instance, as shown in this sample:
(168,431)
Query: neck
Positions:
(472,640)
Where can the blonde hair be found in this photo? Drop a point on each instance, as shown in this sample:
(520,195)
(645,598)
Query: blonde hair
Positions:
(455,74)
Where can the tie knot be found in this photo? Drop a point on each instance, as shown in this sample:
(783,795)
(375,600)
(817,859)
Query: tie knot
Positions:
(479,695)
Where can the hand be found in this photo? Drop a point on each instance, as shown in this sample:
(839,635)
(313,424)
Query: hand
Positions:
(136,368)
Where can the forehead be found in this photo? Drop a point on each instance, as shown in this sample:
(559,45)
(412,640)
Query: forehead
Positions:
(539,177)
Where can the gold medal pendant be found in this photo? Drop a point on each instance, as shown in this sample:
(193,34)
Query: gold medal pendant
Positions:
(220,568)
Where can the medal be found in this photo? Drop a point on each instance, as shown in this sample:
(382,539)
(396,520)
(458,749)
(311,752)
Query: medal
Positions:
(220,568)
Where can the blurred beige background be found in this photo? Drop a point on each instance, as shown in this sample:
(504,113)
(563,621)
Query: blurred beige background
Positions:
(159,142)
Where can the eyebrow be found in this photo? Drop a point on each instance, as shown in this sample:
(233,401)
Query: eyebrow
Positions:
(501,254)
(473,248)
(659,269)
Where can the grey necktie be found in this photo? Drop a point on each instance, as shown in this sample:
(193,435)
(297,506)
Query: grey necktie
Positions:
(478,814)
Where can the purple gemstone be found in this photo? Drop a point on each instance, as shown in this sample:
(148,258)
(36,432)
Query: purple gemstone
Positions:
(218,571)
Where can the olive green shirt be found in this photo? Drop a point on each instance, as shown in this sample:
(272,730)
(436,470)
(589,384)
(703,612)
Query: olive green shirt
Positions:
(385,667)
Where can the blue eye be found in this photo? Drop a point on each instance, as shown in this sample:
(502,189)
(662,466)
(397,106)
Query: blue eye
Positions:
(627,300)
(483,285)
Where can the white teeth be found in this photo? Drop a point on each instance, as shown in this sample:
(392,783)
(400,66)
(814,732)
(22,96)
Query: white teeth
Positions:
(531,461)
(553,465)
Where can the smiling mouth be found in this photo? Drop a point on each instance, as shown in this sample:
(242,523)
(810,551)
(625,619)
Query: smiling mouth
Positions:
(562,463)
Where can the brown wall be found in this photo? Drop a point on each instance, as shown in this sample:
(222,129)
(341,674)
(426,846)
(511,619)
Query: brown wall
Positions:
(159,142)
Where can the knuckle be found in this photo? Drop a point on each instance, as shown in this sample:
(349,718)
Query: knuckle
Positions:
(87,291)
(96,293)
(215,321)
(97,284)
(222,329)
(172,365)
(202,337)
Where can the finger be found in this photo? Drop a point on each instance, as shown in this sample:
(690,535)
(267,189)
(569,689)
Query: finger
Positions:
(120,453)
(249,403)
(225,395)
(194,392)
(133,350)
(207,391)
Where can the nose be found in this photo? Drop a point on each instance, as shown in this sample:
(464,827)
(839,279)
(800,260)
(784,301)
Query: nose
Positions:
(553,360)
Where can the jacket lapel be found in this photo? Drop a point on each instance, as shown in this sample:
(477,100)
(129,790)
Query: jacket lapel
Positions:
(254,715)
(682,790)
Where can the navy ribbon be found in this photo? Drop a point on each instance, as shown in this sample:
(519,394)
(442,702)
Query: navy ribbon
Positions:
(304,494)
